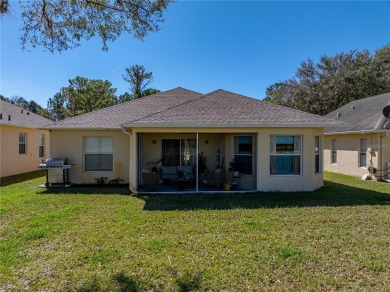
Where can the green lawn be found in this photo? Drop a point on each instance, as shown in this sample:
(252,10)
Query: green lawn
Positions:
(102,239)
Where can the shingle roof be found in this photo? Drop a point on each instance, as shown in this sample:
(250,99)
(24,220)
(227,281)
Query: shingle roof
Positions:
(223,108)
(12,115)
(113,117)
(182,107)
(362,115)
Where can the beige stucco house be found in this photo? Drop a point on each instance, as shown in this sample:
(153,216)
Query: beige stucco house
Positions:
(181,140)
(363,141)
(23,144)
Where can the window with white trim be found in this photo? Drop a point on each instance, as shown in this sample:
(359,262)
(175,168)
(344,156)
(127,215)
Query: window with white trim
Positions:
(22,143)
(363,153)
(285,155)
(317,151)
(41,148)
(243,154)
(334,151)
(98,154)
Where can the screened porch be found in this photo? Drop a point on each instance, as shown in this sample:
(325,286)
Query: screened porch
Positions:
(196,162)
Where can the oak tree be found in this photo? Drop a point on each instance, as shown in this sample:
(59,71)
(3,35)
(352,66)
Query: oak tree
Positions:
(59,25)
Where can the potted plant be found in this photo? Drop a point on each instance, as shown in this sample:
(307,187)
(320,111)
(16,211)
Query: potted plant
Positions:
(233,168)
(202,168)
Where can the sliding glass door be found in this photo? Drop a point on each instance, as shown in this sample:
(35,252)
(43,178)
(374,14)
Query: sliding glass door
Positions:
(178,152)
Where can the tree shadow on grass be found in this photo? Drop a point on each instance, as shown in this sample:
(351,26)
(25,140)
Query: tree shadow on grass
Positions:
(127,283)
(119,282)
(9,180)
(332,194)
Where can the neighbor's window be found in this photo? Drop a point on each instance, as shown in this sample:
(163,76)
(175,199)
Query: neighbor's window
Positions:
(98,153)
(243,154)
(22,143)
(317,161)
(363,153)
(334,151)
(285,155)
(41,145)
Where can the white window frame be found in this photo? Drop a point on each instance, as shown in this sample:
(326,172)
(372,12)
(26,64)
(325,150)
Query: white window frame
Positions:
(97,152)
(333,152)
(41,145)
(317,153)
(363,152)
(22,143)
(238,154)
(287,154)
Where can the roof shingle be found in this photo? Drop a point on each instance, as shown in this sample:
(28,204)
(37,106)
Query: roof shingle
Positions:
(113,117)
(223,108)
(182,107)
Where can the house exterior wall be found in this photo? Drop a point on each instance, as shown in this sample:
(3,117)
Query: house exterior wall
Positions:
(11,161)
(69,144)
(348,152)
(261,179)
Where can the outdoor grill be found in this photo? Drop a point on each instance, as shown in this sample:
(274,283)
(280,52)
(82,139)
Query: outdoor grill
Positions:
(57,171)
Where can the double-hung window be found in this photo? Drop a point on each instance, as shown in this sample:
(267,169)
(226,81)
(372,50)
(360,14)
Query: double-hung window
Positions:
(22,143)
(243,154)
(98,154)
(363,153)
(41,145)
(334,151)
(285,155)
(317,151)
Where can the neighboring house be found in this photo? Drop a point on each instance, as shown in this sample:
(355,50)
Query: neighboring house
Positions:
(363,142)
(23,145)
(275,148)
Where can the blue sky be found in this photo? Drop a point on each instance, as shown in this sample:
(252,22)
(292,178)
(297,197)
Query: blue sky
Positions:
(241,46)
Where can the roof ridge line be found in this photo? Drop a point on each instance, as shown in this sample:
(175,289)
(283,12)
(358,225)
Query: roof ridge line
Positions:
(155,113)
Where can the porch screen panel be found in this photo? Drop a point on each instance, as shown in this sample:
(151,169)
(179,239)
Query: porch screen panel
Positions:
(171,152)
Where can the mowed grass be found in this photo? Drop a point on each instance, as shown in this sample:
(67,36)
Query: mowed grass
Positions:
(102,239)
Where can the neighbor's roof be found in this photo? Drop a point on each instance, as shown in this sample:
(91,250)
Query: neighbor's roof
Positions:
(113,117)
(363,115)
(12,115)
(184,108)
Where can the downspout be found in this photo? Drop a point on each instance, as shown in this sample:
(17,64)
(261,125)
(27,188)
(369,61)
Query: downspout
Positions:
(130,136)
(197,164)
